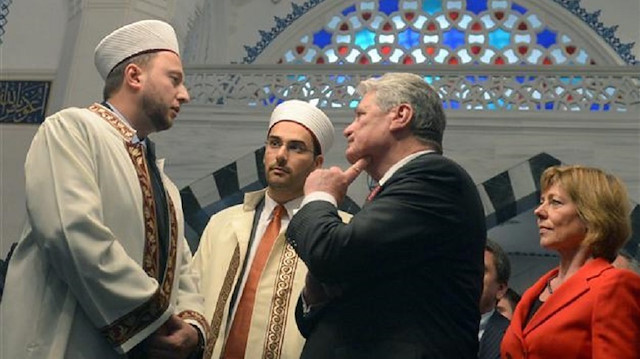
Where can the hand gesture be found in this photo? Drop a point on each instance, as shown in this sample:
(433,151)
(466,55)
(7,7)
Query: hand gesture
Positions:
(333,180)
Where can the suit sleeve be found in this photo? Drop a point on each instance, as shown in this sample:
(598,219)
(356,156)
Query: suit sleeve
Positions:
(411,218)
(65,210)
(616,316)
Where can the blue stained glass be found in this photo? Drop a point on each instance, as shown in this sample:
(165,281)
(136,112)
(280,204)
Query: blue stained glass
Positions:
(375,23)
(495,4)
(349,10)
(453,38)
(520,79)
(471,79)
(367,6)
(491,106)
(464,56)
(408,38)
(548,105)
(477,6)
(595,107)
(410,5)
(606,107)
(431,6)
(582,57)
(388,6)
(499,39)
(518,8)
(322,38)
(365,38)
(455,105)
(546,38)
(341,79)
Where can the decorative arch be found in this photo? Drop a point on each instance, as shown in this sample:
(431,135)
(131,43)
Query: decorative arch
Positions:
(454,32)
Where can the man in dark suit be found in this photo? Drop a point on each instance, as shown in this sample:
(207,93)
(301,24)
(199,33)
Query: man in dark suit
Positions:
(493,325)
(405,275)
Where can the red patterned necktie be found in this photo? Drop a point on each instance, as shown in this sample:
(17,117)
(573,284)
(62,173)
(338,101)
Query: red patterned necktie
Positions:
(373,192)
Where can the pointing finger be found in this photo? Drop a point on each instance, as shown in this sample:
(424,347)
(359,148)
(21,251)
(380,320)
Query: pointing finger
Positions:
(354,171)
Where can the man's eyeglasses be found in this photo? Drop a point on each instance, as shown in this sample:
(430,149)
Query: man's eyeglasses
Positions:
(296,147)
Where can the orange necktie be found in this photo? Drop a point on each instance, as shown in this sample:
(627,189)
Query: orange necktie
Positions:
(239,333)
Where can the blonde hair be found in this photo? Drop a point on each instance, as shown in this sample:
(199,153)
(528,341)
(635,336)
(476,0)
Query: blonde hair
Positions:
(602,203)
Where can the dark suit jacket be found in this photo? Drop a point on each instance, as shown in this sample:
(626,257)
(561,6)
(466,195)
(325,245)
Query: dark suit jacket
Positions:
(492,337)
(595,314)
(410,265)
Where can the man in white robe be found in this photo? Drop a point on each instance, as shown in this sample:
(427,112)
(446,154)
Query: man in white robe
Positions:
(102,268)
(298,137)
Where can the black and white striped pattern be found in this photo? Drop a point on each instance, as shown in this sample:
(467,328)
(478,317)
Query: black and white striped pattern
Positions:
(504,196)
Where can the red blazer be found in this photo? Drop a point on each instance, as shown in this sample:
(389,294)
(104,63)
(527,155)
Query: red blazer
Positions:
(594,314)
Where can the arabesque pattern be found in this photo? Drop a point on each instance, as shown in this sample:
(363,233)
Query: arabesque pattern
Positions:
(534,88)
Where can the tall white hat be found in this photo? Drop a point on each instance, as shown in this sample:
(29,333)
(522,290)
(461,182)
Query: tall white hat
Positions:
(133,39)
(309,116)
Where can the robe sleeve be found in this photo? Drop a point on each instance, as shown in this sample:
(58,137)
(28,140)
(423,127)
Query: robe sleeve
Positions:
(64,206)
(190,300)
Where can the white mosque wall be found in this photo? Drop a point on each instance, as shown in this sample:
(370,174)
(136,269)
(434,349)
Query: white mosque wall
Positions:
(37,45)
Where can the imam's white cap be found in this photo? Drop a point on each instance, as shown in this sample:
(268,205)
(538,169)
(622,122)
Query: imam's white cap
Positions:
(309,116)
(133,39)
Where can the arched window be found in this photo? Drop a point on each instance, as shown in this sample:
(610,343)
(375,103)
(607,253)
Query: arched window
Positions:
(492,32)
(452,32)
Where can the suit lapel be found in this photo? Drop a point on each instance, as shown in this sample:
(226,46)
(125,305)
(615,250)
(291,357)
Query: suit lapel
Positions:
(490,342)
(575,287)
(529,297)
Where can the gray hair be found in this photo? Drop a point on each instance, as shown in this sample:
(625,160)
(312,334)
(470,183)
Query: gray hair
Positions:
(395,88)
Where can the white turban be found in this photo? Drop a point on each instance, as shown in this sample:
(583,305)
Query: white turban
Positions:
(133,39)
(309,116)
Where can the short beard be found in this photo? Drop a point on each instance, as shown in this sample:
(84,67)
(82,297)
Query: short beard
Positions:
(157,113)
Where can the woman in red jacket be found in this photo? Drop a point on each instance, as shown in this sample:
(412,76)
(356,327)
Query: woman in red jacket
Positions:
(585,308)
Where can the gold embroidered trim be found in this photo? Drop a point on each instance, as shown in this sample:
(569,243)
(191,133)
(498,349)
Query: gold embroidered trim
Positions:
(225,291)
(193,315)
(280,305)
(131,323)
(110,117)
(150,262)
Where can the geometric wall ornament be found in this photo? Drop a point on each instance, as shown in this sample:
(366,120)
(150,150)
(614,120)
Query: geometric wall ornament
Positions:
(477,88)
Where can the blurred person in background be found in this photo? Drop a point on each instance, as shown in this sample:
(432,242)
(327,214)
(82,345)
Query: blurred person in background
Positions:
(507,304)
(497,271)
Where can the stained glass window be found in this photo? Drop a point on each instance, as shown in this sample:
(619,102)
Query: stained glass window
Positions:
(494,32)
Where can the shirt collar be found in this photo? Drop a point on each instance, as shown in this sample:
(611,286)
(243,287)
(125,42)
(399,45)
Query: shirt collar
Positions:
(270,205)
(113,109)
(393,169)
(484,318)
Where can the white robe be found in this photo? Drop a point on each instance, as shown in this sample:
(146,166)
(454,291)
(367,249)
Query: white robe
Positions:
(81,281)
(223,248)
